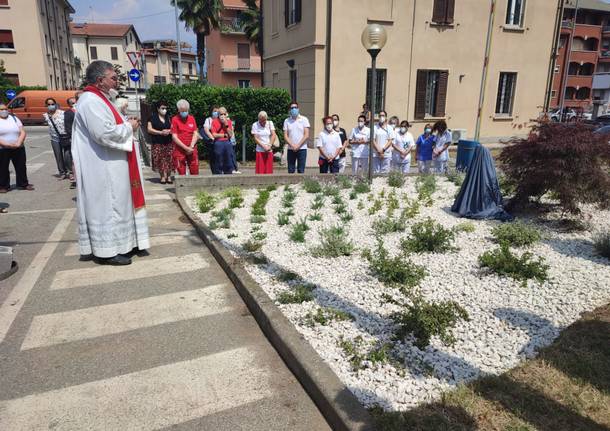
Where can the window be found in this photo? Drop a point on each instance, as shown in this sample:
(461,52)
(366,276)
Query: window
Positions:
(514,12)
(442,12)
(431,93)
(3,2)
(292,12)
(244,83)
(243,56)
(190,68)
(174,66)
(293,84)
(553,94)
(114,53)
(6,39)
(93,52)
(506,93)
(160,79)
(379,88)
(274,16)
(556,68)
(12,77)
(17,103)
(275,80)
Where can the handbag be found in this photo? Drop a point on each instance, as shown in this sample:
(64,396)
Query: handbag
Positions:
(64,140)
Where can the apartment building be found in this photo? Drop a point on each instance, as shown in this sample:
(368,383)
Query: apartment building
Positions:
(35,43)
(582,72)
(162,64)
(231,59)
(109,42)
(431,68)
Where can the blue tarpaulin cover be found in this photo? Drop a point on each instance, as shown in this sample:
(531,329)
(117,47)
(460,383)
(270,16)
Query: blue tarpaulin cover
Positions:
(480,196)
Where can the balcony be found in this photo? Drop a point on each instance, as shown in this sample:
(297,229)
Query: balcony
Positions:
(579,81)
(606,29)
(588,31)
(231,26)
(584,56)
(235,64)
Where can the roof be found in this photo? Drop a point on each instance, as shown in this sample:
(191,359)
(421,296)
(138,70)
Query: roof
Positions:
(69,6)
(101,30)
(601,5)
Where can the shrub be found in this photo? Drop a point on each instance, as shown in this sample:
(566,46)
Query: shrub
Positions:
(346,217)
(222,218)
(297,233)
(337,200)
(297,295)
(392,202)
(324,315)
(353,195)
(318,202)
(425,186)
(411,210)
(360,205)
(601,242)
(503,262)
(205,201)
(517,234)
(334,242)
(252,245)
(341,209)
(361,187)
(456,178)
(316,216)
(311,185)
(391,224)
(283,218)
(567,159)
(235,196)
(396,179)
(257,219)
(331,190)
(258,208)
(428,236)
(288,197)
(467,227)
(351,349)
(506,187)
(344,181)
(376,207)
(423,320)
(287,276)
(396,271)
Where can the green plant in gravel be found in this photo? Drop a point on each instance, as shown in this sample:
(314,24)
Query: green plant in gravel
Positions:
(346,217)
(311,185)
(283,218)
(222,218)
(297,232)
(259,205)
(353,195)
(288,198)
(503,262)
(425,186)
(252,245)
(516,234)
(380,353)
(235,195)
(411,209)
(205,201)
(257,219)
(341,209)
(428,236)
(286,276)
(344,181)
(466,227)
(318,202)
(232,235)
(424,320)
(317,216)
(361,187)
(298,294)
(601,243)
(337,200)
(331,190)
(389,224)
(396,179)
(360,205)
(397,271)
(325,315)
(456,178)
(392,203)
(334,242)
(376,207)
(382,194)
(352,349)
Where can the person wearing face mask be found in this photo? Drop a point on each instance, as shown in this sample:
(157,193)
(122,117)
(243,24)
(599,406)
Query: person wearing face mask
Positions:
(12,138)
(440,154)
(394,122)
(263,132)
(69,115)
(208,138)
(424,145)
(401,148)
(185,137)
(112,220)
(222,130)
(359,143)
(296,134)
(382,146)
(54,117)
(344,142)
(159,128)
(329,144)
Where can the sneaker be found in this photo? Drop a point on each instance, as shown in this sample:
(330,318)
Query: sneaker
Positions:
(237,172)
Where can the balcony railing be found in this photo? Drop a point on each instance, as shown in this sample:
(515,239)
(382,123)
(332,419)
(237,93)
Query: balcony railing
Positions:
(243,63)
(566,23)
(233,25)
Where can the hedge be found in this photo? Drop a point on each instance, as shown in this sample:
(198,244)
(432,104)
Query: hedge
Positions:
(243,106)
(17,88)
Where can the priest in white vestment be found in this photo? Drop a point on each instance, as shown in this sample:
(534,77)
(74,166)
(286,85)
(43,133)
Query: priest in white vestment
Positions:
(110,195)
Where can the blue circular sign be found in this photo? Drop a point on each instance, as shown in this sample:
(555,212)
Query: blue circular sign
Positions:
(134,75)
(10,94)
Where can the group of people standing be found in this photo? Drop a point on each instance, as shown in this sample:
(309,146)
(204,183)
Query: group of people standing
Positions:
(60,129)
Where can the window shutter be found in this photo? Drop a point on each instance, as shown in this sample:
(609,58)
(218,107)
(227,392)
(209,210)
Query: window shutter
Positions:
(450,11)
(439,11)
(420,94)
(298,11)
(286,13)
(441,95)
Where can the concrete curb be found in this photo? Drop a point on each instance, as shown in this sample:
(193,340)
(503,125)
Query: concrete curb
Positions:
(338,405)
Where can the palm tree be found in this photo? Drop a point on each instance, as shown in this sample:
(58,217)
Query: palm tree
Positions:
(251,21)
(201,16)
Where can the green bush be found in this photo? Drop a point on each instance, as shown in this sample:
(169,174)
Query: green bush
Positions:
(376,207)
(257,219)
(205,201)
(503,262)
(346,217)
(297,233)
(467,227)
(311,185)
(243,106)
(361,187)
(222,219)
(396,179)
(317,216)
(318,202)
(259,206)
(334,242)
(425,186)
(283,218)
(324,315)
(456,178)
(391,224)
(601,242)
(331,190)
(298,294)
(517,234)
(429,236)
(344,181)
(253,245)
(287,276)
(395,271)
(288,198)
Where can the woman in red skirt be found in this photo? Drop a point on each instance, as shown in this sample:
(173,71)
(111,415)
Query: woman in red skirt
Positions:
(263,132)
(159,129)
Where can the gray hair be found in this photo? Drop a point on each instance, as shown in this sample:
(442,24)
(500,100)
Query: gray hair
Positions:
(96,70)
(263,114)
(183,104)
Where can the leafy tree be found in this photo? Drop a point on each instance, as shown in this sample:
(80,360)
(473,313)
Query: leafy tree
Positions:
(251,21)
(121,75)
(3,79)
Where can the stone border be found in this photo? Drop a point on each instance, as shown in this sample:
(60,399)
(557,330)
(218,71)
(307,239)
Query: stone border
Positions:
(338,405)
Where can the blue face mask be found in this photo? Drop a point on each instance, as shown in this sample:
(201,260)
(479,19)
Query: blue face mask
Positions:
(184,115)
(215,114)
(51,108)
(294,112)
(428,131)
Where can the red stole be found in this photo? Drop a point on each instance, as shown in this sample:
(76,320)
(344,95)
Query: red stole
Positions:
(137,191)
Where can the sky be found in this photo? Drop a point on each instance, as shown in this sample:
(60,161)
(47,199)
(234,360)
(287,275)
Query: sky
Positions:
(153,19)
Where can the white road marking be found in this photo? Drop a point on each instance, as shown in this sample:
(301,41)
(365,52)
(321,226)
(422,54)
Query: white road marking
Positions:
(33,167)
(93,322)
(59,210)
(13,303)
(145,400)
(155,241)
(39,154)
(140,269)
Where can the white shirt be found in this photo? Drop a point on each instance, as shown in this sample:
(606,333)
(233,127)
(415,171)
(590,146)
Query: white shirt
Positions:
(406,142)
(329,142)
(360,150)
(58,119)
(382,135)
(10,129)
(263,133)
(445,138)
(296,129)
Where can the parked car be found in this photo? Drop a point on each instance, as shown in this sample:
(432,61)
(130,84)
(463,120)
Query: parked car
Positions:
(568,115)
(29,105)
(604,130)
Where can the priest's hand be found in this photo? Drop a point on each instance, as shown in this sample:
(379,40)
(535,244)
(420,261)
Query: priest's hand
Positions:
(134,124)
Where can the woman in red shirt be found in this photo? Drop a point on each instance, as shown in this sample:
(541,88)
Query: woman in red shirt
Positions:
(222,130)
(185,137)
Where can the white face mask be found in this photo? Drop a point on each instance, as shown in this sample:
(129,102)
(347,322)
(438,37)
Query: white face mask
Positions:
(329,127)
(381,120)
(361,124)
(4,113)
(113,94)
(162,111)
(336,123)
(403,130)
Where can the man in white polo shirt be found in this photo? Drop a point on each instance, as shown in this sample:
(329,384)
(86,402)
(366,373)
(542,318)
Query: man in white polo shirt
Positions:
(382,151)
(296,134)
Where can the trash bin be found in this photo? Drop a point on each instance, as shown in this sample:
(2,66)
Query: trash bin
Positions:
(465,153)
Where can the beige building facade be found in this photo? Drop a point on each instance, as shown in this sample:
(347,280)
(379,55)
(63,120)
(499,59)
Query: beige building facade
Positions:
(162,65)
(35,43)
(431,68)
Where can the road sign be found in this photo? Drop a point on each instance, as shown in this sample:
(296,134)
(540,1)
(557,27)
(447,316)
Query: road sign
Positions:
(134,75)
(133,57)
(10,94)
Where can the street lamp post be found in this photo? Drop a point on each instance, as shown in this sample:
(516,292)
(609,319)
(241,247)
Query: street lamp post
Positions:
(374,38)
(179,43)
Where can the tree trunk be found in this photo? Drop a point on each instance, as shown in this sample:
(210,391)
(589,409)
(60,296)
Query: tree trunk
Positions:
(201,55)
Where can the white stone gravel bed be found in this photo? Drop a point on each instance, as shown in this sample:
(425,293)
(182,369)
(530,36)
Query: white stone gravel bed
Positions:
(508,322)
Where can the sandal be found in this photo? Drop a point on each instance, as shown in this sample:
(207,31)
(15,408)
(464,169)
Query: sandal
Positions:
(163,181)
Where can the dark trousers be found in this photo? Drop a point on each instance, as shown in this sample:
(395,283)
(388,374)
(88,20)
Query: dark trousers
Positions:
(211,156)
(326,167)
(298,158)
(234,158)
(223,163)
(59,157)
(17,156)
